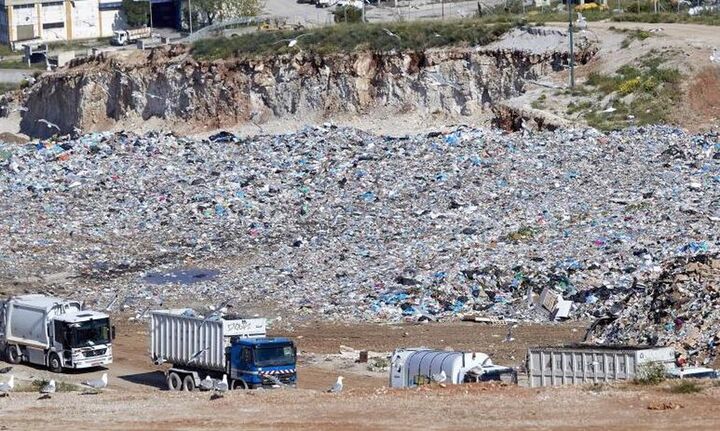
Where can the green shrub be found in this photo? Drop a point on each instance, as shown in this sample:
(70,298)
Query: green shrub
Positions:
(413,35)
(347,14)
(650,373)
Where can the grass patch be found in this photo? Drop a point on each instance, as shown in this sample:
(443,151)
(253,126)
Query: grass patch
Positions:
(6,87)
(35,386)
(650,373)
(19,64)
(632,35)
(685,387)
(539,103)
(352,37)
(647,91)
(667,17)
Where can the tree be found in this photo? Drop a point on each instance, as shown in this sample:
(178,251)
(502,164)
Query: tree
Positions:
(347,14)
(213,10)
(136,12)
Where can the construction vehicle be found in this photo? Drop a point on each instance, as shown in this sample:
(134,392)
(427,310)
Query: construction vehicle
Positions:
(418,366)
(54,332)
(125,37)
(233,349)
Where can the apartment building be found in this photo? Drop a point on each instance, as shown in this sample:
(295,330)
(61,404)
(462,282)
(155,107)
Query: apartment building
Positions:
(52,20)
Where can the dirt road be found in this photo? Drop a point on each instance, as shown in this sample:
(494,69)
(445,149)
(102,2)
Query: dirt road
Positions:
(136,400)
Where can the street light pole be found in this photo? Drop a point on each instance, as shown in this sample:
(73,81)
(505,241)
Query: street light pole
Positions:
(190,14)
(572,55)
(151,23)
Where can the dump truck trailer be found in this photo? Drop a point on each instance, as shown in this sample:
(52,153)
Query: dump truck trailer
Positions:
(416,366)
(578,364)
(54,332)
(238,349)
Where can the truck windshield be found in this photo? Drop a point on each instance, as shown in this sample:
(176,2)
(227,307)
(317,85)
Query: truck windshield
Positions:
(90,333)
(275,355)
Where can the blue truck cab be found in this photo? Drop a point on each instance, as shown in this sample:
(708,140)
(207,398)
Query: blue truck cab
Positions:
(257,362)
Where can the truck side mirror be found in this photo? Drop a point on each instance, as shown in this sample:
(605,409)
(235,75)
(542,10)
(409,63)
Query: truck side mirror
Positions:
(112,332)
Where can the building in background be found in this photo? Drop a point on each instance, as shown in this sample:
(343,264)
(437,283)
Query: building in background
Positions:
(49,21)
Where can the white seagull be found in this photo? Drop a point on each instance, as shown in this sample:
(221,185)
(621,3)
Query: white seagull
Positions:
(47,390)
(337,387)
(98,383)
(292,42)
(220,388)
(6,388)
(197,355)
(49,124)
(391,34)
(206,384)
(440,377)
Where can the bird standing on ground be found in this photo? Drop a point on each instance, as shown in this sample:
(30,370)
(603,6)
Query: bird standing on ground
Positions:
(219,388)
(6,388)
(440,377)
(206,384)
(47,390)
(508,336)
(97,384)
(337,387)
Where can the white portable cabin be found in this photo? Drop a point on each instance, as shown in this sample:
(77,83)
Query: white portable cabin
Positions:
(578,364)
(176,335)
(24,319)
(416,366)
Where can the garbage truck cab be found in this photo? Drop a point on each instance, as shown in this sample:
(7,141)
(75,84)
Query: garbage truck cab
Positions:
(263,361)
(54,332)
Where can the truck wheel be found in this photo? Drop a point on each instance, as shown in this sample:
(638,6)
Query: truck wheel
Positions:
(54,363)
(189,383)
(239,384)
(12,353)
(174,382)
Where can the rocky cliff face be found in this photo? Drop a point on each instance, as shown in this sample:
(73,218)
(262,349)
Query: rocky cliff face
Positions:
(99,92)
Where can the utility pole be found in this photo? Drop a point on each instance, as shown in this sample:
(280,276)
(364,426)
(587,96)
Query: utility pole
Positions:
(442,10)
(572,54)
(190,14)
(150,9)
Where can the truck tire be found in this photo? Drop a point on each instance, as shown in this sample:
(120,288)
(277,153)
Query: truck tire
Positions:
(189,383)
(54,363)
(174,382)
(12,353)
(238,384)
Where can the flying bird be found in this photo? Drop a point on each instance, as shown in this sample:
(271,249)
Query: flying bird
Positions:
(49,124)
(291,42)
(337,387)
(391,34)
(440,377)
(47,390)
(6,388)
(98,383)
(275,380)
(197,355)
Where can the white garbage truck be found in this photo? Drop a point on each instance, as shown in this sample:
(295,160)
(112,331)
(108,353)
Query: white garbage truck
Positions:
(125,37)
(416,366)
(54,332)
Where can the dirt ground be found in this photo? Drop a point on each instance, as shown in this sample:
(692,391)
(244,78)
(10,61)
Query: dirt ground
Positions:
(136,399)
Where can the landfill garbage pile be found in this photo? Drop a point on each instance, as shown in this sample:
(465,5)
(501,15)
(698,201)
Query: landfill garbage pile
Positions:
(335,223)
(681,308)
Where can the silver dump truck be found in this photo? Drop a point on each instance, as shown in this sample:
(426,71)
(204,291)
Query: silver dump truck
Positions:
(54,332)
